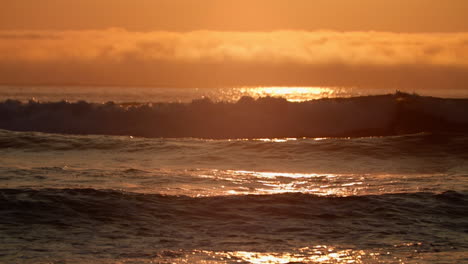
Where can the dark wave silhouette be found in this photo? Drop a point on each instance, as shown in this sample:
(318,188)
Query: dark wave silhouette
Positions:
(395,114)
(39,206)
(413,216)
(119,205)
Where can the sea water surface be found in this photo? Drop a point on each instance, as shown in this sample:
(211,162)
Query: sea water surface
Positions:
(74,195)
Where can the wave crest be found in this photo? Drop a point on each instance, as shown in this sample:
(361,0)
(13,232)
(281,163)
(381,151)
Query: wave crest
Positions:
(111,205)
(395,114)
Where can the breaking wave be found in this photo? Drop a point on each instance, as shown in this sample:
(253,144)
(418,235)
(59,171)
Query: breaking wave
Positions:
(382,115)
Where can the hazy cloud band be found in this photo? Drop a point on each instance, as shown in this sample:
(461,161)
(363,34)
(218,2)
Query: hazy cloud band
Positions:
(232,58)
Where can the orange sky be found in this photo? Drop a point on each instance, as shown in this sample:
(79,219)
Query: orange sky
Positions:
(239,15)
(398,43)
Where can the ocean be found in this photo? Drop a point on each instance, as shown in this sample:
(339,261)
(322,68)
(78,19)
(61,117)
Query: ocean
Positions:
(233,175)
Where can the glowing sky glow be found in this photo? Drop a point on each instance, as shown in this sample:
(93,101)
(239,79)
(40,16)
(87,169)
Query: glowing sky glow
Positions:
(208,43)
(239,15)
(209,58)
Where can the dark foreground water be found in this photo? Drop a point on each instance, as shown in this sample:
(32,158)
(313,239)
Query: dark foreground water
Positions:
(109,199)
(387,198)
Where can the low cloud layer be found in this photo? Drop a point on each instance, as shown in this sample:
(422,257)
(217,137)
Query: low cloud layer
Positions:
(207,58)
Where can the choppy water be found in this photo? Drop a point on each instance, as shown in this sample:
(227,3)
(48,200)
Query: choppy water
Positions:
(67,198)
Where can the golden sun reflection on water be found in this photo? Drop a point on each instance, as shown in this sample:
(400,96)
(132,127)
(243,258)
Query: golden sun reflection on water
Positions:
(277,140)
(320,254)
(271,175)
(316,254)
(244,182)
(292,94)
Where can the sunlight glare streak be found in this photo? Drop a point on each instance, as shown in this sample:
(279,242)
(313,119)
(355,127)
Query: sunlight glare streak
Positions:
(245,182)
(277,140)
(291,94)
(272,175)
(316,254)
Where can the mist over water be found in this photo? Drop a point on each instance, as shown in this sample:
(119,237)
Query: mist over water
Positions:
(92,192)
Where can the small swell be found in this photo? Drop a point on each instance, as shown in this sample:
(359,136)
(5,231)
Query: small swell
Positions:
(268,117)
(30,205)
(255,219)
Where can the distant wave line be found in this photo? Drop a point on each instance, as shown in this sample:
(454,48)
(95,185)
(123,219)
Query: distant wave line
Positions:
(266,117)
